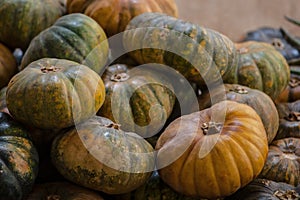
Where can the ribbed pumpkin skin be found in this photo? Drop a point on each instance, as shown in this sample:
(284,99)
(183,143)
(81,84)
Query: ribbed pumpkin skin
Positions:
(98,155)
(212,165)
(283,162)
(262,67)
(23,20)
(8,65)
(263,189)
(19,160)
(144,106)
(62,191)
(186,47)
(114,15)
(54,93)
(258,100)
(289,120)
(75,37)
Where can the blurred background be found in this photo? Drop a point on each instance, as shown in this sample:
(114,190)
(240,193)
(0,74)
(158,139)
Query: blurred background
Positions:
(234,18)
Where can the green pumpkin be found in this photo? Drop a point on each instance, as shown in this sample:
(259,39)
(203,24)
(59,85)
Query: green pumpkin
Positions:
(54,93)
(22,20)
(18,160)
(75,37)
(145,104)
(97,154)
(201,55)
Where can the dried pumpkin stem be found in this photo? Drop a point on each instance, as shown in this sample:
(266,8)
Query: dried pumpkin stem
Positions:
(239,90)
(210,128)
(54,197)
(294,82)
(277,43)
(114,126)
(119,77)
(293,116)
(50,69)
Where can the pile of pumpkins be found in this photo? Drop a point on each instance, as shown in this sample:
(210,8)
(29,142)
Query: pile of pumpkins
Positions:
(115,99)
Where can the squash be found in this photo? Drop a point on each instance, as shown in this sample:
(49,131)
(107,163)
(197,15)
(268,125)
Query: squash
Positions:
(114,15)
(75,37)
(289,120)
(201,55)
(23,20)
(214,152)
(258,100)
(283,162)
(8,65)
(18,159)
(292,92)
(3,107)
(145,102)
(98,155)
(262,67)
(54,94)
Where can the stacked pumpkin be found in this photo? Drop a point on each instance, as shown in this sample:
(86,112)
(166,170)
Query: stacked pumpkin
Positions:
(96,120)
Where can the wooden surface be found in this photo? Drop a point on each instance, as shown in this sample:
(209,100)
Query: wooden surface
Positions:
(235,17)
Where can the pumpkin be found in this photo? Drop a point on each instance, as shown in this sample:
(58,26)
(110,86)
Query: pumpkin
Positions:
(23,20)
(97,154)
(145,105)
(18,159)
(262,67)
(289,120)
(283,162)
(256,99)
(8,65)
(292,92)
(54,93)
(214,152)
(263,189)
(75,37)
(62,190)
(3,107)
(114,15)
(201,55)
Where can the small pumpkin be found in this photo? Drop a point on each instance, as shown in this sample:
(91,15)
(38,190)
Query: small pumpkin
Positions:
(75,37)
(59,93)
(264,189)
(292,92)
(18,159)
(97,154)
(62,190)
(289,120)
(214,152)
(262,67)
(8,65)
(23,20)
(283,162)
(114,15)
(145,105)
(201,55)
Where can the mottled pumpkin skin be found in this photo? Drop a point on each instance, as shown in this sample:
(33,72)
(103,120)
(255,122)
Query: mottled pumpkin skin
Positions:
(3,107)
(75,37)
(19,160)
(283,162)
(289,120)
(262,67)
(114,15)
(258,100)
(8,65)
(145,104)
(98,155)
(205,160)
(54,93)
(201,55)
(292,92)
(263,189)
(23,20)
(62,191)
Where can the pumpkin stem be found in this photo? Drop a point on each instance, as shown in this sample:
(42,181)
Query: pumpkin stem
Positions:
(120,77)
(211,128)
(243,50)
(239,90)
(293,116)
(289,194)
(48,69)
(277,43)
(294,82)
(53,197)
(114,126)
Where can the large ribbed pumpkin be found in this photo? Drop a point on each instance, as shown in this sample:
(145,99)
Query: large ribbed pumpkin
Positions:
(114,15)
(75,37)
(8,65)
(136,100)
(97,154)
(18,160)
(214,152)
(201,55)
(262,67)
(54,93)
(23,20)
